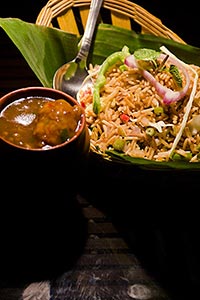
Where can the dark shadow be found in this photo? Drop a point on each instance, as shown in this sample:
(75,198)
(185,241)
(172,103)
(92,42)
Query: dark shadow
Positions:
(42,228)
(157,214)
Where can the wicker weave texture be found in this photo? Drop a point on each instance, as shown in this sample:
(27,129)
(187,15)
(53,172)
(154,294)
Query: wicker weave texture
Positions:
(71,16)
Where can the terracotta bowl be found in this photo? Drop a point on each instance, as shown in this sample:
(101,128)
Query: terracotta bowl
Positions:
(42,226)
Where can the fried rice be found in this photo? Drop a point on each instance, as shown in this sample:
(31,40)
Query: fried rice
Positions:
(133,119)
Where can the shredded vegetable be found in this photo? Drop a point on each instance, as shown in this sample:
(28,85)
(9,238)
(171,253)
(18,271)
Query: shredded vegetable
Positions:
(191,98)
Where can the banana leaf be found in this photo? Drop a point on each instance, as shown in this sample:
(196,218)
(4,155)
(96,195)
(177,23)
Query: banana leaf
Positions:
(45,49)
(110,39)
(153,165)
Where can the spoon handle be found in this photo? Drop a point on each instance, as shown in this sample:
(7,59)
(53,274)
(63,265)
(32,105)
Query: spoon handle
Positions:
(89,29)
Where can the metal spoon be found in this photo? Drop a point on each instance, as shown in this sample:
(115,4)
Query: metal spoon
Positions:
(69,78)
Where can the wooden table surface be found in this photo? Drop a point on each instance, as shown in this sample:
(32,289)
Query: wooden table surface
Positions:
(107,269)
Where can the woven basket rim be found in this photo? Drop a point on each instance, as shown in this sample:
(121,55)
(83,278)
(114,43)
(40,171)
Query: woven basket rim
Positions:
(124,8)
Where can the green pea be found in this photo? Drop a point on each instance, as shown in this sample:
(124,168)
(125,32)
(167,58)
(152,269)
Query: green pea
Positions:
(158,110)
(119,144)
(150,131)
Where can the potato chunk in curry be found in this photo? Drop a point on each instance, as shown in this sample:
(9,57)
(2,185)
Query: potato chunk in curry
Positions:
(57,122)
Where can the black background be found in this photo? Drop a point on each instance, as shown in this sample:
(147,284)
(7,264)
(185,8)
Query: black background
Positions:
(182,17)
(25,10)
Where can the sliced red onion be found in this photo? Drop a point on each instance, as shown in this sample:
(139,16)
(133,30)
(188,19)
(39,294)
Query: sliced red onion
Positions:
(167,94)
(131,62)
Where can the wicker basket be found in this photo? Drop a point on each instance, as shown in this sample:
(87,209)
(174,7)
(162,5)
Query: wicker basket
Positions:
(71,16)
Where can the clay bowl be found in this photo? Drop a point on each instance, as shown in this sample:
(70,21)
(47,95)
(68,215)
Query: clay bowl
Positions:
(42,226)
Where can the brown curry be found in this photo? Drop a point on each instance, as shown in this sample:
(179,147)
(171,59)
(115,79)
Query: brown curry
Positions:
(39,122)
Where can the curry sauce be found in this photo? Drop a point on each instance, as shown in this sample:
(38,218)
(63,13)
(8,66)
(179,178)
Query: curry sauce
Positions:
(37,122)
